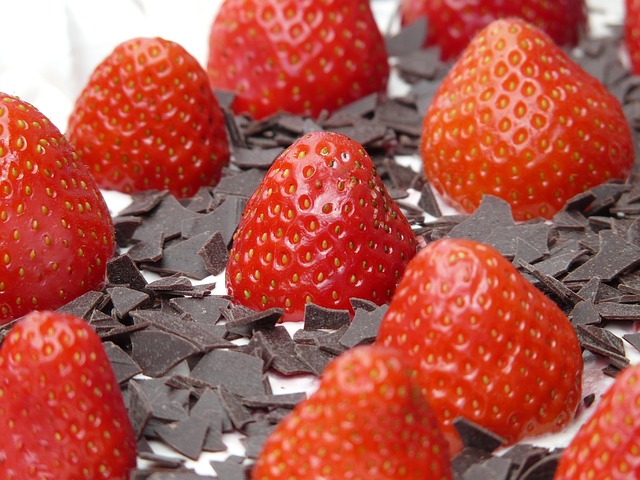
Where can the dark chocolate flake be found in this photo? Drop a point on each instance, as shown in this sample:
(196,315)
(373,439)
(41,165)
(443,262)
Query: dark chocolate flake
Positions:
(214,254)
(238,413)
(239,372)
(364,327)
(608,340)
(253,445)
(314,357)
(330,342)
(157,352)
(163,219)
(317,317)
(633,339)
(126,299)
(83,306)
(185,436)
(182,258)
(224,219)
(584,313)
(123,365)
(124,228)
(174,283)
(493,212)
(287,400)
(122,270)
(428,202)
(148,250)
(285,361)
(409,39)
(466,458)
(614,257)
(618,311)
(139,408)
(495,468)
(476,436)
(246,325)
(505,239)
(144,202)
(241,184)
(229,470)
(200,335)
(206,310)
(255,157)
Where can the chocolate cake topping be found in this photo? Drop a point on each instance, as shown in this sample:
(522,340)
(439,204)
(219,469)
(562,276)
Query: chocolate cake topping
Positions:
(206,362)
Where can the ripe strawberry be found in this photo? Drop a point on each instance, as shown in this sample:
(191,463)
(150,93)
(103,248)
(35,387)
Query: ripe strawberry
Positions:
(487,345)
(453,23)
(61,410)
(632,34)
(322,228)
(606,446)
(518,119)
(302,57)
(56,233)
(147,119)
(366,420)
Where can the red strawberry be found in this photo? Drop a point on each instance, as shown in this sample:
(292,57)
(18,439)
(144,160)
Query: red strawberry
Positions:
(61,411)
(487,345)
(56,233)
(632,33)
(302,57)
(366,420)
(518,119)
(321,228)
(453,23)
(606,446)
(147,119)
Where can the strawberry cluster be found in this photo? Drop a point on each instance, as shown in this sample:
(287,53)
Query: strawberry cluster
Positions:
(465,334)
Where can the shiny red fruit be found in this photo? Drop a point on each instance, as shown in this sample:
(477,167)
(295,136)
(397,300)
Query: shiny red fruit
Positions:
(62,414)
(321,228)
(518,119)
(56,233)
(486,344)
(147,119)
(301,57)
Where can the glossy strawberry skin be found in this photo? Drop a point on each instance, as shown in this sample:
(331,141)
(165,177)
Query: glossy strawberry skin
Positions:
(366,420)
(606,446)
(56,233)
(301,56)
(320,228)
(147,119)
(516,118)
(61,410)
(453,23)
(632,33)
(487,345)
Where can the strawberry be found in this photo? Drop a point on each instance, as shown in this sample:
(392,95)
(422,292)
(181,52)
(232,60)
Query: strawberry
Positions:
(453,23)
(302,57)
(518,119)
(147,119)
(606,446)
(61,410)
(56,233)
(366,420)
(632,34)
(321,228)
(486,344)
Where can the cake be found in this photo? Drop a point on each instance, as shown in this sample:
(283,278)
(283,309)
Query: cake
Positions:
(303,352)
